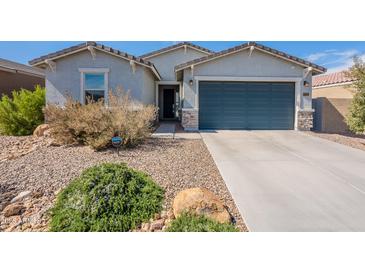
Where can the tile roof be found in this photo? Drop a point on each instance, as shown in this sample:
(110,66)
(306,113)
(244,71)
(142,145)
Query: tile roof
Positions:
(331,79)
(20,68)
(159,51)
(61,53)
(303,62)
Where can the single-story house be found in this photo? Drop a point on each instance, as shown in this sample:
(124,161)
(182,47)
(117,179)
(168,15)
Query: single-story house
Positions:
(250,86)
(332,96)
(14,76)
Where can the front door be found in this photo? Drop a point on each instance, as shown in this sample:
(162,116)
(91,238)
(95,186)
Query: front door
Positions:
(168,103)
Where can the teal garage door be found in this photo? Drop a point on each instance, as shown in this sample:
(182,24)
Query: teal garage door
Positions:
(246,105)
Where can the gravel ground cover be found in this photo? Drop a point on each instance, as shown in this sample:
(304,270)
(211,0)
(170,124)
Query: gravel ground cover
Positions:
(174,164)
(348,139)
(12,147)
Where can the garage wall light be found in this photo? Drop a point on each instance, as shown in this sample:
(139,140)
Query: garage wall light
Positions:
(191,82)
(306,84)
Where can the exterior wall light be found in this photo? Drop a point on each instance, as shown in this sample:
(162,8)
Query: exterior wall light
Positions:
(191,82)
(306,84)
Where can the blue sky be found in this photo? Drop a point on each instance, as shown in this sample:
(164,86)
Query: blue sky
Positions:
(333,55)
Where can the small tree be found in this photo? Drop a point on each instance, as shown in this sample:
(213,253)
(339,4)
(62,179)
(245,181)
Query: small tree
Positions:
(22,113)
(356,116)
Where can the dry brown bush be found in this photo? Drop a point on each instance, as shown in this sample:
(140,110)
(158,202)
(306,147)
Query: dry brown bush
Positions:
(94,124)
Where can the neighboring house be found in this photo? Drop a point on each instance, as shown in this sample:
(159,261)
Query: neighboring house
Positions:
(332,95)
(250,86)
(332,85)
(14,76)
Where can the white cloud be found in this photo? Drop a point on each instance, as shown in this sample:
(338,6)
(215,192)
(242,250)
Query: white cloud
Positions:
(346,64)
(320,55)
(335,60)
(316,56)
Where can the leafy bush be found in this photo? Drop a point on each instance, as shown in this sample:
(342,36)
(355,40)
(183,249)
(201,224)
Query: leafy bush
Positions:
(109,197)
(94,124)
(187,222)
(22,113)
(356,116)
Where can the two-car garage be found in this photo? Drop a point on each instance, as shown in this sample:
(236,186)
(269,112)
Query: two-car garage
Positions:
(247,87)
(246,105)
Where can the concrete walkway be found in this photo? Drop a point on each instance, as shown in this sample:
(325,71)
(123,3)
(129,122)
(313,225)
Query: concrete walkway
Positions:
(290,181)
(173,130)
(165,130)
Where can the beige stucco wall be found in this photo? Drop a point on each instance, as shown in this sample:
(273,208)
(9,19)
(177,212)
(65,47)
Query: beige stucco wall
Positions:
(332,114)
(343,91)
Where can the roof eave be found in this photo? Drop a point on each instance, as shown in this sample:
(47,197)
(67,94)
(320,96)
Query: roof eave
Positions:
(101,48)
(174,47)
(333,85)
(34,63)
(24,72)
(317,69)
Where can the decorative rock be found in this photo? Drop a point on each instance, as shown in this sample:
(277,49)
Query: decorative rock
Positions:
(37,194)
(13,209)
(157,225)
(201,201)
(145,227)
(57,191)
(3,205)
(167,222)
(40,130)
(170,214)
(21,196)
(164,214)
(5,199)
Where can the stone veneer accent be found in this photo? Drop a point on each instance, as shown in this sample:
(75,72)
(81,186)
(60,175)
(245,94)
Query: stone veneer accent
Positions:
(305,120)
(190,119)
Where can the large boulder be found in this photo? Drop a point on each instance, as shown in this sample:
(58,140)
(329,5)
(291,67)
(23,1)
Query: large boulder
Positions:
(201,201)
(13,209)
(41,130)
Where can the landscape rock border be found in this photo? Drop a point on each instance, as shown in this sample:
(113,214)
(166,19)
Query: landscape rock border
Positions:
(50,168)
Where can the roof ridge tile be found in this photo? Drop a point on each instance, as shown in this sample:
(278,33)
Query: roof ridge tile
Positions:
(244,46)
(168,48)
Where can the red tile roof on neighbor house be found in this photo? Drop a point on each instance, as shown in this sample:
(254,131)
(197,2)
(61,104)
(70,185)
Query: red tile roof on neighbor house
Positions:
(331,79)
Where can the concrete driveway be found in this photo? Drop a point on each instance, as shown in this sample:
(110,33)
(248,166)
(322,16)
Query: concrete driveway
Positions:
(290,181)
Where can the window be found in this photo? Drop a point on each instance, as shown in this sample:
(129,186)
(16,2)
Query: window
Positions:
(93,84)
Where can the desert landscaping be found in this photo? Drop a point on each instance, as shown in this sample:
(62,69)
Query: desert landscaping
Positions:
(34,171)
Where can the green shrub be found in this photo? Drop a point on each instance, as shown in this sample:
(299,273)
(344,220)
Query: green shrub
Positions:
(356,116)
(93,124)
(355,119)
(108,197)
(196,223)
(22,113)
